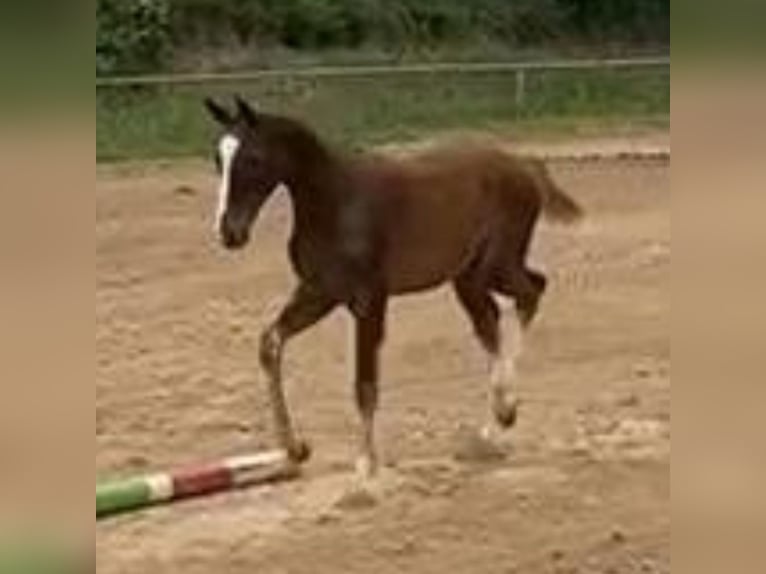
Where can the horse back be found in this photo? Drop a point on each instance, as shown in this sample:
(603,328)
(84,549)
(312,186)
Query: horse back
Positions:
(434,210)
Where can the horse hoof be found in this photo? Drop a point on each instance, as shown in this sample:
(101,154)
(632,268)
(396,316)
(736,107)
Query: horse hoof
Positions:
(300,451)
(366,469)
(507,413)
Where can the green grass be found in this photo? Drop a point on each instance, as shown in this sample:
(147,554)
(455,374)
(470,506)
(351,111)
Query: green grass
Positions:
(168,122)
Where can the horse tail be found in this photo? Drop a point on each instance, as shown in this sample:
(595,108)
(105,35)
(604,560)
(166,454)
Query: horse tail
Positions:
(558,206)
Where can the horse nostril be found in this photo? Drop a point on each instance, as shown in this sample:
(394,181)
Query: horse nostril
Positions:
(227,237)
(232,239)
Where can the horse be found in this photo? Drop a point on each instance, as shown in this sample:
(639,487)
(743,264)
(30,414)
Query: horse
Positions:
(368,227)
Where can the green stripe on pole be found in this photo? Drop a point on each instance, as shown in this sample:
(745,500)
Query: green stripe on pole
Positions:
(38,558)
(120,496)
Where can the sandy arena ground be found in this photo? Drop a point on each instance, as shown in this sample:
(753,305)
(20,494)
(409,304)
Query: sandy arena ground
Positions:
(585,486)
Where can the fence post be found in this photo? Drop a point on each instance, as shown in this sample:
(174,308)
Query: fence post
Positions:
(521,89)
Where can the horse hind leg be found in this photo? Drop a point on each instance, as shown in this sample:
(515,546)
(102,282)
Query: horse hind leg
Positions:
(526,287)
(485,315)
(510,276)
(504,368)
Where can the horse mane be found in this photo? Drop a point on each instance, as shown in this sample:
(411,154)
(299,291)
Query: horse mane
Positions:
(301,141)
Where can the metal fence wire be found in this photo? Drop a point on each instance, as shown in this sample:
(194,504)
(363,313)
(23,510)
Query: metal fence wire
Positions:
(161,116)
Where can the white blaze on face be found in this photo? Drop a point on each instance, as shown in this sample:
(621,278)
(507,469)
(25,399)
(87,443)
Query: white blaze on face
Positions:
(227,150)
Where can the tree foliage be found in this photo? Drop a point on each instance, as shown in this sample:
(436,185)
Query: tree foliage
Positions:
(131,36)
(139,35)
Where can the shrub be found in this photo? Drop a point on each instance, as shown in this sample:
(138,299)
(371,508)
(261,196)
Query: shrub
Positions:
(131,36)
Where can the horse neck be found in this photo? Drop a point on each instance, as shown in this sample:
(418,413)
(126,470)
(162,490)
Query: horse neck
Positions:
(316,191)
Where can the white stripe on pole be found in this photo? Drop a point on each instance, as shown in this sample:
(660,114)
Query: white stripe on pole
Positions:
(160,487)
(254,468)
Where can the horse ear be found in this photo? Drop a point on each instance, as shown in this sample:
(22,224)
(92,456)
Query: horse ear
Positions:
(219,113)
(246,112)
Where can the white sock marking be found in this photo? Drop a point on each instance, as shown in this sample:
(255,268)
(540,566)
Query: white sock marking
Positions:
(504,364)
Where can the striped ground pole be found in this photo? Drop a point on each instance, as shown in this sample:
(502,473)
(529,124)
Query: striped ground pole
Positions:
(41,555)
(120,496)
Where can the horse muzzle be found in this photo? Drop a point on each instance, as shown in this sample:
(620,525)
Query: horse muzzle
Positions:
(234,239)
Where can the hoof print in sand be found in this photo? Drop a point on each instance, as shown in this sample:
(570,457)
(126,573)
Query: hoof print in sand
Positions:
(357,498)
(472,446)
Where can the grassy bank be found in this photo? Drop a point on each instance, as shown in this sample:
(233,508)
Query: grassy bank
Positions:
(165,122)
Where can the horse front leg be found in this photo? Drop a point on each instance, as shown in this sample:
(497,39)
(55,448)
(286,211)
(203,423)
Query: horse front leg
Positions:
(305,308)
(370,331)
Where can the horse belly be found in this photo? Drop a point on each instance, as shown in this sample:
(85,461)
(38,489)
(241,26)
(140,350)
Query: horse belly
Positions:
(425,264)
(439,223)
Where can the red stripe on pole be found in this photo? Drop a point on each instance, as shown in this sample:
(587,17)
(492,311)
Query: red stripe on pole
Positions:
(201,480)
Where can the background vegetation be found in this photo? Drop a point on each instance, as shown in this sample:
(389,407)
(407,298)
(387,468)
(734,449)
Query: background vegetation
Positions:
(152,122)
(154,35)
(144,36)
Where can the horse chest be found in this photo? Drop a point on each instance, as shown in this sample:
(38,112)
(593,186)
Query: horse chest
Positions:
(338,267)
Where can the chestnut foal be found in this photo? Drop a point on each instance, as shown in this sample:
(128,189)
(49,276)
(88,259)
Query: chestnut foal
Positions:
(367,228)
